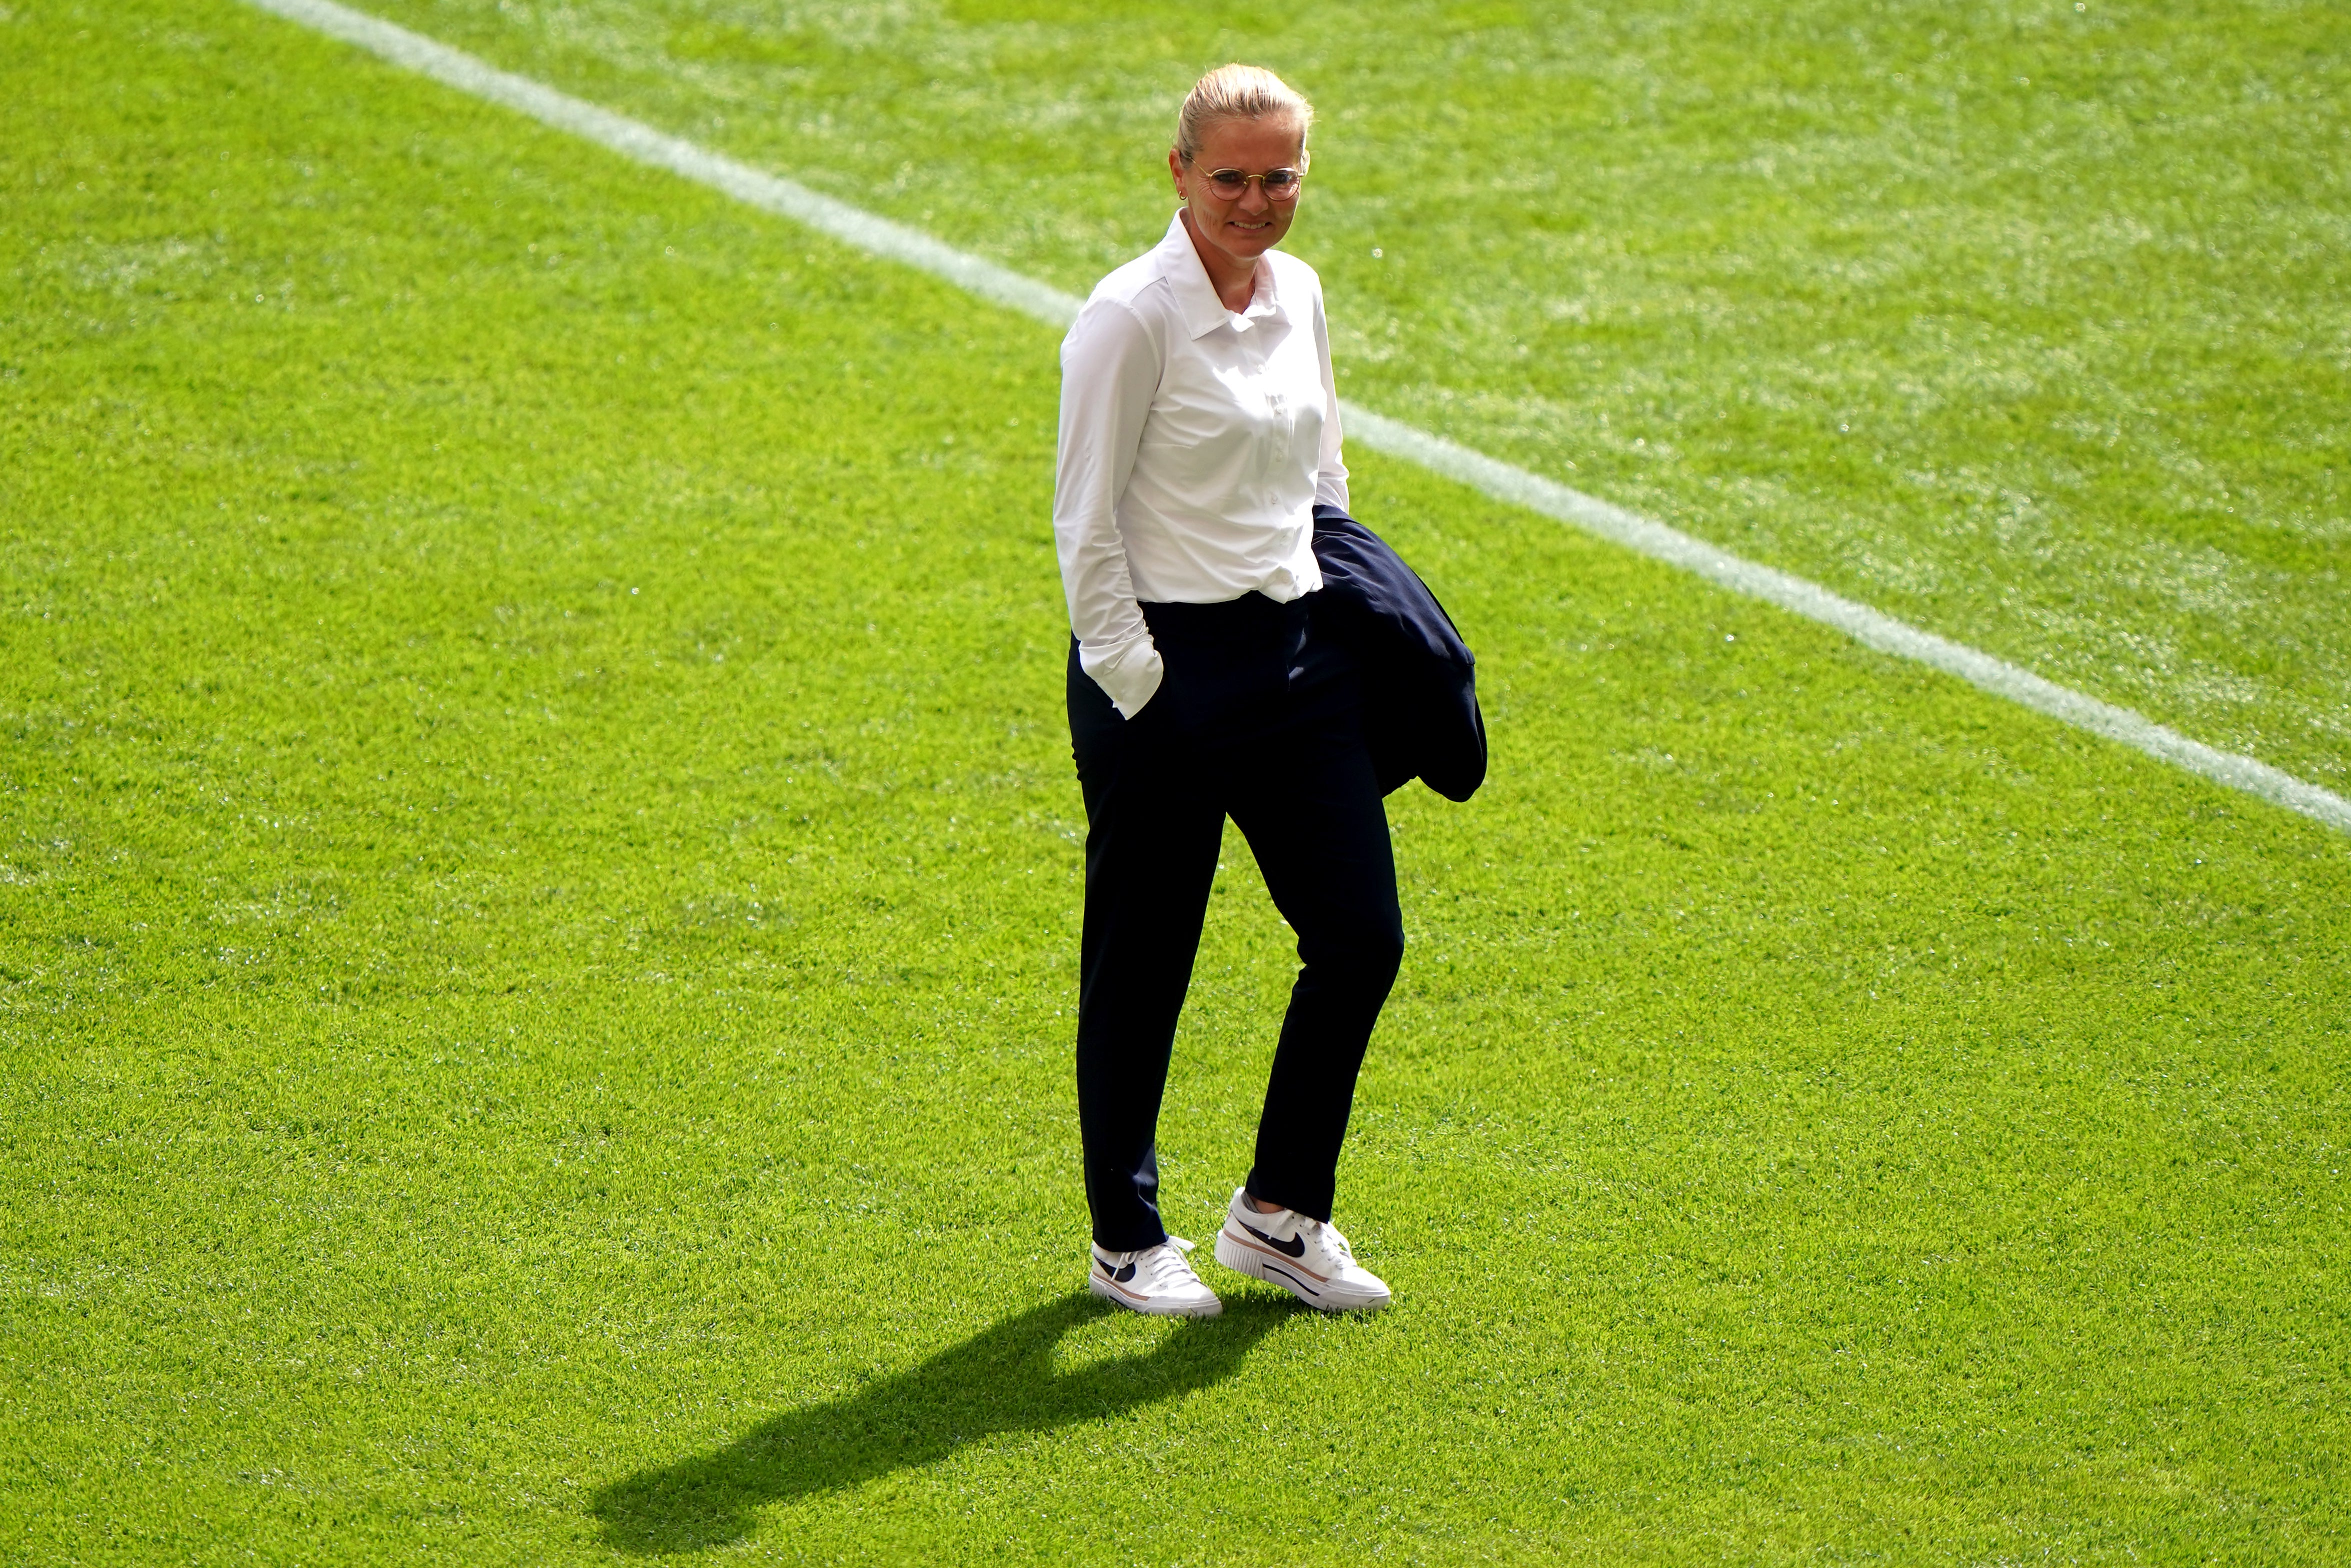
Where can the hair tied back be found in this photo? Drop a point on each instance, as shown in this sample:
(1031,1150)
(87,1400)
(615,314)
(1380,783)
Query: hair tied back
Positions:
(1238,92)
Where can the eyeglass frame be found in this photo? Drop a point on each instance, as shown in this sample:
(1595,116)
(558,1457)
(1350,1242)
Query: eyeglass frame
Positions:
(1297,175)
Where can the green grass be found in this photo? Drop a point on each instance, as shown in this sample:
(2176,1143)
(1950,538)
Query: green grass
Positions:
(2030,324)
(538,892)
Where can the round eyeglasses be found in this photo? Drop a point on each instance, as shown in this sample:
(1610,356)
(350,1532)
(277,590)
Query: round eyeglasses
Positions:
(1281,184)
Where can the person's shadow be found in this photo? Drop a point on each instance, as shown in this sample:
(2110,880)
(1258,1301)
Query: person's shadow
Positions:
(1001,1380)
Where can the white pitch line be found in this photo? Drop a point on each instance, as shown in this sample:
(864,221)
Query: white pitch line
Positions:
(1490,476)
(1870,627)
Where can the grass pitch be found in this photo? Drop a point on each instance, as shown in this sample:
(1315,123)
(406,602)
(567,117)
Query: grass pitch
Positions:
(2022,320)
(538,898)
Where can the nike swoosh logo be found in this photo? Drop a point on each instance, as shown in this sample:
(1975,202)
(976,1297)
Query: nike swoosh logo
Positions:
(1121,1275)
(1295,1246)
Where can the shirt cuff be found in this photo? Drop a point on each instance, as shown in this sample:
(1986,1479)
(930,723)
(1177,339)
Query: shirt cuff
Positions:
(1130,673)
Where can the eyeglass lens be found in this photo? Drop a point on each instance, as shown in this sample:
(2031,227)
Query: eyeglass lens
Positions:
(1279,183)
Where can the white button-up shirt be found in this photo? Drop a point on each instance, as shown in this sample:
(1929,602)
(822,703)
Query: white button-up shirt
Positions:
(1194,444)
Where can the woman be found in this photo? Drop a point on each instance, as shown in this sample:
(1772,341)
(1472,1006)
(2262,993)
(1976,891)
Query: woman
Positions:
(1199,428)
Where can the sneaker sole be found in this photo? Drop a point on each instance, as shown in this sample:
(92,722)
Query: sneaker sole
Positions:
(1243,1256)
(1110,1293)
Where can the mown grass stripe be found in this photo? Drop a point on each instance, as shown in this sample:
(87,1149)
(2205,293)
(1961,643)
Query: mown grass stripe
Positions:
(1490,476)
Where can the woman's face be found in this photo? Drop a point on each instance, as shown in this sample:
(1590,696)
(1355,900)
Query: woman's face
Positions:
(1251,224)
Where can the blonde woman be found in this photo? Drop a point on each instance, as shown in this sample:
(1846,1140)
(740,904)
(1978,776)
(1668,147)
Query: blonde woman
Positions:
(1199,430)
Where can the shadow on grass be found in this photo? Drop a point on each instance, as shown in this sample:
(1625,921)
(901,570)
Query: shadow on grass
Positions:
(1001,1380)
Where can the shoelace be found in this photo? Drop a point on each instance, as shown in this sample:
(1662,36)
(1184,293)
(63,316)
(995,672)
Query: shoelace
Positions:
(1330,1234)
(1168,1255)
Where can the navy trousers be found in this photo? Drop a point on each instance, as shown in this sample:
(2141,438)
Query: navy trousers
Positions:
(1259,720)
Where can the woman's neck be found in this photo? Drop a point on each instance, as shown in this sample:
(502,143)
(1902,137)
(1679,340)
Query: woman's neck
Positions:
(1234,281)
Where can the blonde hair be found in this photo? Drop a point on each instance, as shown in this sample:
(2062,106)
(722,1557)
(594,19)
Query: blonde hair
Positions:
(1238,92)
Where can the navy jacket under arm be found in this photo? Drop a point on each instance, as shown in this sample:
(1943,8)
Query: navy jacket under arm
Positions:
(1420,682)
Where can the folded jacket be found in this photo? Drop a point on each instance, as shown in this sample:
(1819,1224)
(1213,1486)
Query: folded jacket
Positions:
(1420,679)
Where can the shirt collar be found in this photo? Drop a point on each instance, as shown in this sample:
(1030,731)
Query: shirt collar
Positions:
(1195,297)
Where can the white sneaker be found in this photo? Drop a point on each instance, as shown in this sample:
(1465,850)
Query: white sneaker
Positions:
(1305,1257)
(1157,1280)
